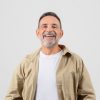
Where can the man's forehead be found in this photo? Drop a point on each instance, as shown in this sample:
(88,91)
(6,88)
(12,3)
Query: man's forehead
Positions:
(49,19)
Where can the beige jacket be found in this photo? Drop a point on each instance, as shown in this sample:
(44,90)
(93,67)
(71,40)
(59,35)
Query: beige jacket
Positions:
(72,79)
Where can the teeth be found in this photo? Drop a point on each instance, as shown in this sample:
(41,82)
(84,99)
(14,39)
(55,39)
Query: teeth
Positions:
(49,35)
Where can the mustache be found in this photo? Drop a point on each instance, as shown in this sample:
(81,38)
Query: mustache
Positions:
(49,33)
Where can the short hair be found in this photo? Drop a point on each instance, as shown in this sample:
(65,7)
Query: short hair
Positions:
(50,14)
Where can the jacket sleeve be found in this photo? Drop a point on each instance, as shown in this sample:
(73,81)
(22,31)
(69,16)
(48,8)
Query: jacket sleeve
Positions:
(85,88)
(16,86)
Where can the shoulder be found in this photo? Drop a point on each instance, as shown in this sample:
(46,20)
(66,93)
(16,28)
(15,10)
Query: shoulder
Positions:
(76,57)
(24,67)
(27,60)
(73,57)
(31,56)
(78,63)
(76,60)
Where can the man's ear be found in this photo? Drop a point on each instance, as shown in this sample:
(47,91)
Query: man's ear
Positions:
(37,32)
(61,33)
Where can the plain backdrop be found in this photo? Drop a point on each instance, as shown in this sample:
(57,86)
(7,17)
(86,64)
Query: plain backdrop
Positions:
(18,23)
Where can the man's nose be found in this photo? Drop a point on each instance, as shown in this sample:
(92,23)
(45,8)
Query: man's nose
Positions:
(49,28)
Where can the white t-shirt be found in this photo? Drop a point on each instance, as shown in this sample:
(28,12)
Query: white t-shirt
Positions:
(46,83)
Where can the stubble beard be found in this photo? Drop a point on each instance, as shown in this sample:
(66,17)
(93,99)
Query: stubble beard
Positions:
(49,43)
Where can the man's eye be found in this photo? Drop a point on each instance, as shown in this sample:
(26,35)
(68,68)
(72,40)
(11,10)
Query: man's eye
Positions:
(45,26)
(54,26)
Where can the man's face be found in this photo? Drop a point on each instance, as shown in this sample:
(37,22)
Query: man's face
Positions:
(49,31)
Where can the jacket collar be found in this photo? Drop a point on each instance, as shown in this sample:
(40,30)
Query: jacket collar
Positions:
(65,50)
(63,47)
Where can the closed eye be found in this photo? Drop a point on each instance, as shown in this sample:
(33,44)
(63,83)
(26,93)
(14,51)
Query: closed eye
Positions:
(44,26)
(54,26)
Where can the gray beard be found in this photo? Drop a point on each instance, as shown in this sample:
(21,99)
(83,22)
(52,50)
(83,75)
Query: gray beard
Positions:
(50,44)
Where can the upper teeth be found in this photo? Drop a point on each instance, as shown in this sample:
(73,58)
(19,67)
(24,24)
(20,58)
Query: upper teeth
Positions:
(48,35)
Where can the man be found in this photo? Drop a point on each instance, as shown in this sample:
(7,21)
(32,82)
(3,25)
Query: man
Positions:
(52,72)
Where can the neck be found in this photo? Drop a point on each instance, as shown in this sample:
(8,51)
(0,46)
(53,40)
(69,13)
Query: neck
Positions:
(49,51)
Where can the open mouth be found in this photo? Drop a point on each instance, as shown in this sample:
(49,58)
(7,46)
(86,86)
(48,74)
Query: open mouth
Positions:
(49,36)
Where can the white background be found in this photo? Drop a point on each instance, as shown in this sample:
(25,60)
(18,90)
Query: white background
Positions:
(18,22)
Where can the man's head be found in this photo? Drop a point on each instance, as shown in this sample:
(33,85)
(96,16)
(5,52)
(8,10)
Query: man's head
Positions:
(50,14)
(49,29)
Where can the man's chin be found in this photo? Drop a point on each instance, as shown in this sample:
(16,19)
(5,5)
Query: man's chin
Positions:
(49,45)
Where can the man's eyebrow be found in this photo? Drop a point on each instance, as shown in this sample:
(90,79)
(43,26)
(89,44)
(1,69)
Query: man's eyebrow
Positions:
(43,24)
(55,24)
(47,24)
